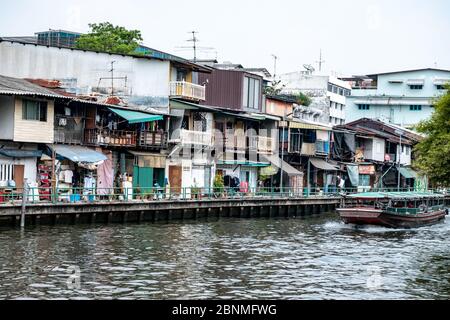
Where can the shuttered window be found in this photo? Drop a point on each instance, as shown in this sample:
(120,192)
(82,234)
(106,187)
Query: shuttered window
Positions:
(6,172)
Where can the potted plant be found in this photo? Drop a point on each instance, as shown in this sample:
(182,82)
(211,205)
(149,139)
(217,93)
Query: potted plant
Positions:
(138,192)
(218,185)
(196,192)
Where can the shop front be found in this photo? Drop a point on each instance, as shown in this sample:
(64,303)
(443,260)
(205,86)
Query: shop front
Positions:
(16,167)
(75,173)
(148,173)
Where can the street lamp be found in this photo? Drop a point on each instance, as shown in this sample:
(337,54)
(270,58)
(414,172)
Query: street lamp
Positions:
(282,149)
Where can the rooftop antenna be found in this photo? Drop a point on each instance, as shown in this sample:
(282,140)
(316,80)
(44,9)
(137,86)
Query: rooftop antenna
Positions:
(275,58)
(320,62)
(194,46)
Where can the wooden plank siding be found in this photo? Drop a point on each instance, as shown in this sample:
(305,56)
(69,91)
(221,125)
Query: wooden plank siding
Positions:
(31,130)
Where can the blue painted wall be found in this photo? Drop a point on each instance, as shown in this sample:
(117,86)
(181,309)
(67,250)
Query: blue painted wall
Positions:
(400,96)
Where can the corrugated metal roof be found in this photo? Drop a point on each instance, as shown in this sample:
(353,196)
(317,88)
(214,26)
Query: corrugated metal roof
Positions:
(16,86)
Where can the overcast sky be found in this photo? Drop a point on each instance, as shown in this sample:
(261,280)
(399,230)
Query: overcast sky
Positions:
(356,37)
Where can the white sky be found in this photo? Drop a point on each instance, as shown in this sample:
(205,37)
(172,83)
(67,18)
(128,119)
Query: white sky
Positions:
(356,37)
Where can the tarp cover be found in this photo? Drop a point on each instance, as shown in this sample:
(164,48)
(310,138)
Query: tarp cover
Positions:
(276,161)
(322,164)
(20,153)
(78,154)
(353,174)
(136,116)
(344,145)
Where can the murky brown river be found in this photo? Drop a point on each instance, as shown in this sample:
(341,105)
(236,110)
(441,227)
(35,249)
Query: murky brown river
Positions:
(312,258)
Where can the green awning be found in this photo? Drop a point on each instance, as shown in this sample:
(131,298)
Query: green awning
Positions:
(408,173)
(136,116)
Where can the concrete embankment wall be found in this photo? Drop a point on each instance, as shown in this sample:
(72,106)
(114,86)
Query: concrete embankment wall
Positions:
(154,211)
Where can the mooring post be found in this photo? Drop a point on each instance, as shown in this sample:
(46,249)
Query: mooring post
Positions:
(24,202)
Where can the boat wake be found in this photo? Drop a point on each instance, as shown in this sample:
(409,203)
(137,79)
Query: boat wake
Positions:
(332,225)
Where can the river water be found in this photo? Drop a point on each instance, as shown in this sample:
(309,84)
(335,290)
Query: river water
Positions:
(310,258)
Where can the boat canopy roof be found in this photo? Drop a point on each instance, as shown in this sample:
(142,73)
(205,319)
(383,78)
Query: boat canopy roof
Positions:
(395,195)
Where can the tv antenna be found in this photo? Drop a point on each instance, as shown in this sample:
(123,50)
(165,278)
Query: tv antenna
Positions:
(194,46)
(112,78)
(320,62)
(275,58)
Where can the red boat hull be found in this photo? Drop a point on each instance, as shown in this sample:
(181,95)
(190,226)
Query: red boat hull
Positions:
(368,216)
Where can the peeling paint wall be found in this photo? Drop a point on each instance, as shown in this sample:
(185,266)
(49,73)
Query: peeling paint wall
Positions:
(85,73)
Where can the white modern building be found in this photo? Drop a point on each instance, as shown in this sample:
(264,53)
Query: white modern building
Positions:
(327,92)
(401,97)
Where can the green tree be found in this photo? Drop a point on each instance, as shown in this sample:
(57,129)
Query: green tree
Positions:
(433,152)
(106,37)
(303,99)
(274,89)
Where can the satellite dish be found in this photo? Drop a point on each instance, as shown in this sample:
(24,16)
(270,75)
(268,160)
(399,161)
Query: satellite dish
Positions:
(309,67)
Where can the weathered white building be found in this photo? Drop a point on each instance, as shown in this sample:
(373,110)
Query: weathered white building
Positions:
(142,81)
(328,95)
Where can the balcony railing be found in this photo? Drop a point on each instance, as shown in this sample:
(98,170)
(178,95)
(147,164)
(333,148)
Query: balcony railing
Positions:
(152,139)
(123,138)
(196,137)
(187,90)
(110,137)
(67,136)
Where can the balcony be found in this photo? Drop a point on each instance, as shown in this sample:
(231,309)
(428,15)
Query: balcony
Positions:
(188,137)
(187,90)
(123,138)
(231,142)
(120,138)
(265,144)
(152,139)
(260,144)
(68,136)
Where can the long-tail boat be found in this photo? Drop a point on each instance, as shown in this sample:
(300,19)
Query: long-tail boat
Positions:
(393,209)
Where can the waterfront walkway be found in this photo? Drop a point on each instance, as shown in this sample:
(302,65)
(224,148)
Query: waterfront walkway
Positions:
(160,206)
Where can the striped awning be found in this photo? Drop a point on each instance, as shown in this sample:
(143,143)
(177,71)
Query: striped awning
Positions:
(304,125)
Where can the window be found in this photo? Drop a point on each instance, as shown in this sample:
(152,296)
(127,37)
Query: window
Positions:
(251,93)
(415,108)
(416,87)
(440,87)
(34,110)
(341,91)
(364,180)
(363,107)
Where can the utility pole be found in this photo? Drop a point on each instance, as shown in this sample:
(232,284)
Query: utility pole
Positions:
(112,77)
(275,58)
(24,202)
(320,62)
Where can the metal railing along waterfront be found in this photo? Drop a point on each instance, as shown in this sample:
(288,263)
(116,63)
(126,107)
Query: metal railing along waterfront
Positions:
(140,194)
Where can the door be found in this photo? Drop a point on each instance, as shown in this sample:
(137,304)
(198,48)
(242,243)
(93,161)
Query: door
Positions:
(175,178)
(19,174)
